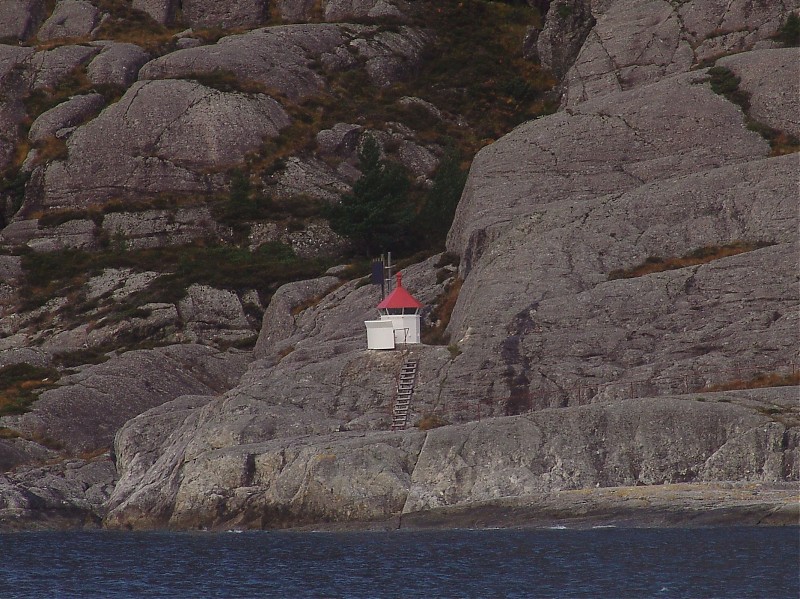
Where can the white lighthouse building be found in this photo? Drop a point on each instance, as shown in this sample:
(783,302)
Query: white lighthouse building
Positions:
(398,321)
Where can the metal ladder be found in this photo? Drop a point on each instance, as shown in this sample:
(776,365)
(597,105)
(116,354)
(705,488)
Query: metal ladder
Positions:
(405,389)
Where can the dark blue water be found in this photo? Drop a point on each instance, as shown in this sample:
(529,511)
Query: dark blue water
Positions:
(725,562)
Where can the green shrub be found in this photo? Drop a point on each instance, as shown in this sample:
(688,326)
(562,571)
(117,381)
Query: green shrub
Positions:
(725,83)
(376,216)
(439,208)
(789,33)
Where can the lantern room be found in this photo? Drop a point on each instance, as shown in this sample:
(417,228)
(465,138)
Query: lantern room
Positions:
(398,322)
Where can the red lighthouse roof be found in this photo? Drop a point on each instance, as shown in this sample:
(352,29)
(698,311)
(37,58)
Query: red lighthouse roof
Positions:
(399,298)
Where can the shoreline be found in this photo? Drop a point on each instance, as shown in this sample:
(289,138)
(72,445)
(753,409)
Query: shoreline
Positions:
(675,505)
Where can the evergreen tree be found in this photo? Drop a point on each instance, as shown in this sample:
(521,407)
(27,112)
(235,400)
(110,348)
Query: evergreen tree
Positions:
(789,33)
(441,201)
(377,214)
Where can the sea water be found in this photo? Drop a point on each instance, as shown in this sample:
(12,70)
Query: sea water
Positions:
(728,563)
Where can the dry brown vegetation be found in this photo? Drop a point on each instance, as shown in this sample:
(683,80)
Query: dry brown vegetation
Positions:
(429,421)
(436,335)
(20,385)
(763,380)
(702,255)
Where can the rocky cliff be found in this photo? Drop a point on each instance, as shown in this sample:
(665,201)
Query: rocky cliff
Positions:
(618,298)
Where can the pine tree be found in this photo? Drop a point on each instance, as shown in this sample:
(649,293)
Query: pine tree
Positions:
(441,201)
(377,214)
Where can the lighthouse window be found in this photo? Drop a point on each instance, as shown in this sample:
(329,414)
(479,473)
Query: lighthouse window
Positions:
(398,311)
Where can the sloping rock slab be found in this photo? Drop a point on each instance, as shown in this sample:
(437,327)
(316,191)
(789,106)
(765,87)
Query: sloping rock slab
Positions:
(84,413)
(774,93)
(159,137)
(617,142)
(538,311)
(635,43)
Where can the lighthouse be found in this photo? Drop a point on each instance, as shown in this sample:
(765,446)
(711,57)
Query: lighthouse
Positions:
(398,321)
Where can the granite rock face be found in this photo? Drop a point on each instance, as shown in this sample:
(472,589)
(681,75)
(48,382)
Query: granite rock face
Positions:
(158,137)
(358,477)
(615,143)
(69,494)
(84,413)
(635,43)
(565,30)
(565,371)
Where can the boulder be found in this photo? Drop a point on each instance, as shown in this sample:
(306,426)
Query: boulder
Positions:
(359,10)
(50,67)
(19,19)
(70,19)
(213,314)
(70,113)
(774,98)
(117,64)
(162,11)
(391,56)
(226,15)
(161,136)
(276,57)
(340,140)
